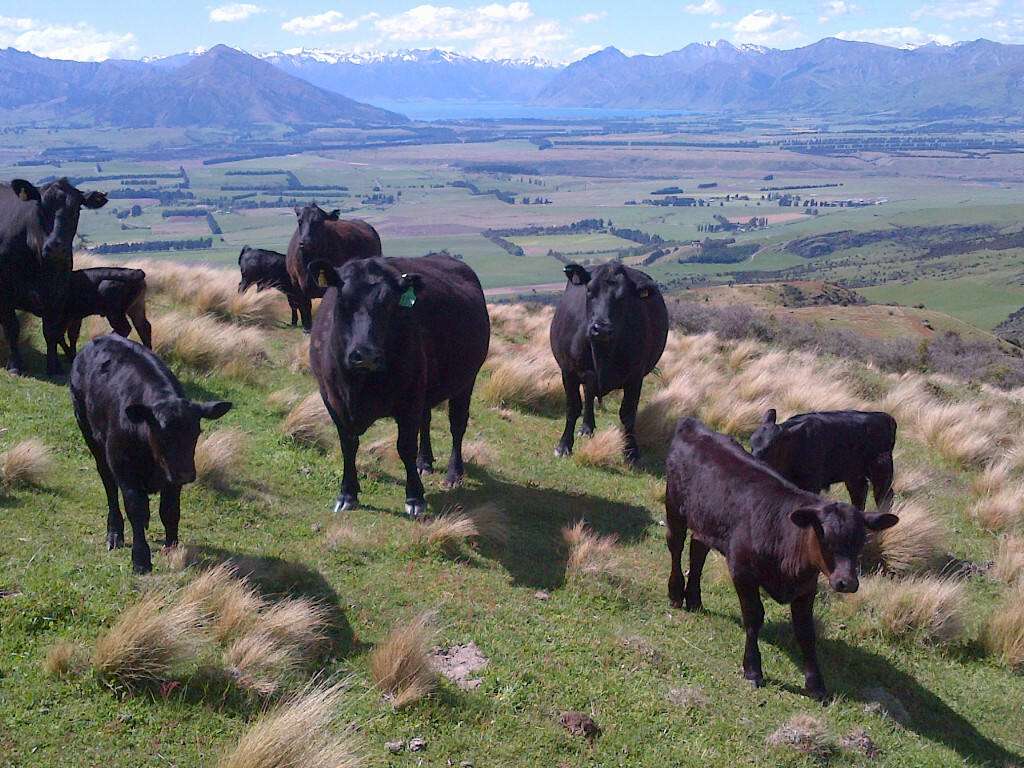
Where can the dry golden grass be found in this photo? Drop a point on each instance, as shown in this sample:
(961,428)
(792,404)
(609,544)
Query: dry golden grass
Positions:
(924,608)
(1001,510)
(909,481)
(65,659)
(219,456)
(308,423)
(1004,632)
(282,400)
(603,449)
(803,733)
(527,381)
(228,603)
(917,543)
(342,535)
(26,463)
(1009,562)
(487,522)
(180,557)
(478,453)
(147,642)
(259,663)
(299,624)
(206,344)
(590,554)
(400,664)
(298,357)
(300,733)
(656,420)
(250,308)
(992,479)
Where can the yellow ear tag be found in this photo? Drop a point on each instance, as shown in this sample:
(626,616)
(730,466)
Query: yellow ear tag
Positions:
(23,195)
(645,292)
(321,280)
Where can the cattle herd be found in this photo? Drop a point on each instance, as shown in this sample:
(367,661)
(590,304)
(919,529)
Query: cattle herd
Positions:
(394,338)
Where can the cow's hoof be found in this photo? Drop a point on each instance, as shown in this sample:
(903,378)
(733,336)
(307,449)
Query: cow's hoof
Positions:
(115,541)
(425,467)
(453,480)
(586,431)
(756,681)
(819,694)
(14,370)
(306,331)
(674,602)
(693,606)
(345,502)
(415,508)
(562,451)
(141,569)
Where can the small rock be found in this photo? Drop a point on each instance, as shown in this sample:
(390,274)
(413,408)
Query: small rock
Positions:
(580,724)
(394,747)
(417,745)
(542,594)
(859,741)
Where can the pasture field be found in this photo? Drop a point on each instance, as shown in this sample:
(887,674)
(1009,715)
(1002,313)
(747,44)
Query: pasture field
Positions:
(663,685)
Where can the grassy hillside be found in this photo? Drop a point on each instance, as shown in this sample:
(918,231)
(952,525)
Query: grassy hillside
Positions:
(561,631)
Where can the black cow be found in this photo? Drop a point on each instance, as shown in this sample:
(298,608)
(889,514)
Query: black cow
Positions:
(268,269)
(396,337)
(37,231)
(142,432)
(608,332)
(815,450)
(775,537)
(115,293)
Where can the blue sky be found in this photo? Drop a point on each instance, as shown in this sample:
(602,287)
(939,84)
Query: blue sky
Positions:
(560,30)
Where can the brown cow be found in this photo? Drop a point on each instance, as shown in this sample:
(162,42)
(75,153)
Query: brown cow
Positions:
(774,536)
(322,236)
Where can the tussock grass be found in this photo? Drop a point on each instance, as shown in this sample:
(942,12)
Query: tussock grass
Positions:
(603,449)
(28,462)
(923,608)
(804,733)
(1001,510)
(532,382)
(487,523)
(298,357)
(992,479)
(299,624)
(909,481)
(206,344)
(281,401)
(1004,631)
(229,604)
(917,543)
(342,535)
(478,453)
(219,456)
(590,554)
(963,433)
(300,733)
(656,420)
(65,659)
(258,662)
(400,664)
(266,308)
(148,642)
(309,424)
(1009,562)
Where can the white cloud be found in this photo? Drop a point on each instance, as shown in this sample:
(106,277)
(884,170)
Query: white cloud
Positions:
(77,41)
(590,18)
(833,8)
(582,53)
(970,9)
(234,12)
(766,28)
(705,8)
(321,24)
(898,37)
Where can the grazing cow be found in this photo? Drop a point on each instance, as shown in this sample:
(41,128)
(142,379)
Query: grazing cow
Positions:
(815,450)
(142,432)
(37,230)
(774,536)
(268,269)
(113,292)
(396,337)
(608,332)
(322,236)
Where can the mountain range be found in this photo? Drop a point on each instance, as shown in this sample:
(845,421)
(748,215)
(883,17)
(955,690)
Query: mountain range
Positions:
(226,87)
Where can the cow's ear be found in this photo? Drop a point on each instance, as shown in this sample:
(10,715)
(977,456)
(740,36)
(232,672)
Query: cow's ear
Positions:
(879,522)
(645,286)
(94,200)
(322,274)
(213,409)
(805,517)
(333,215)
(577,275)
(138,413)
(26,190)
(770,416)
(410,284)
(298,211)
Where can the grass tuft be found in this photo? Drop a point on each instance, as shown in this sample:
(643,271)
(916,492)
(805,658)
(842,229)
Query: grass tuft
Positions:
(219,455)
(309,424)
(917,543)
(1004,632)
(603,449)
(590,554)
(1009,563)
(804,733)
(400,664)
(1001,510)
(927,609)
(487,522)
(26,463)
(65,659)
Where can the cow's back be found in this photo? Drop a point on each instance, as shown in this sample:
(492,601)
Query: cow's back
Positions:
(840,443)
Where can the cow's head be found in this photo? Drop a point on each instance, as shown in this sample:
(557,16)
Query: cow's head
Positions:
(613,296)
(765,440)
(61,204)
(172,429)
(373,299)
(835,536)
(312,238)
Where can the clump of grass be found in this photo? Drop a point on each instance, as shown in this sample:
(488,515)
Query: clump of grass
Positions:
(219,456)
(206,344)
(917,543)
(487,522)
(309,424)
(656,420)
(992,479)
(400,664)
(963,433)
(603,449)
(228,603)
(147,642)
(26,463)
(1001,510)
(180,557)
(923,608)
(298,734)
(804,733)
(299,624)
(258,662)
(281,401)
(298,358)
(478,452)
(689,697)
(65,659)
(590,554)
(909,481)
(1004,632)
(1009,562)
(525,382)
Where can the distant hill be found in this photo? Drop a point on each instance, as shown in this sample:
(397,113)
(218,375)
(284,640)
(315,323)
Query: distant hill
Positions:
(222,87)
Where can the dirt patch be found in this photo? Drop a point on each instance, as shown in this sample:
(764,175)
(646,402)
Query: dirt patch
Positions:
(580,724)
(858,740)
(460,664)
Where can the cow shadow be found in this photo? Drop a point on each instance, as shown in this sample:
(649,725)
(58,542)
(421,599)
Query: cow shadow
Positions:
(535,556)
(851,672)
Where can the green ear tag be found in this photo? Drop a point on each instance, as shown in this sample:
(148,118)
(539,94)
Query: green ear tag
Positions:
(408,298)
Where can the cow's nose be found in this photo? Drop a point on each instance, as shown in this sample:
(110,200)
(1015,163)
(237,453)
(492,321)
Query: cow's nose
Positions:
(841,584)
(600,330)
(304,243)
(363,359)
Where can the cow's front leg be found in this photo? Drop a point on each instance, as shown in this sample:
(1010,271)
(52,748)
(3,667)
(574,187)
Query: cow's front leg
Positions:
(408,431)
(753,619)
(136,506)
(170,514)
(802,611)
(589,422)
(627,415)
(53,332)
(573,407)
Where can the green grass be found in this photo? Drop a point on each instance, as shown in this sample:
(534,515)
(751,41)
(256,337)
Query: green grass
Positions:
(977,300)
(546,656)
